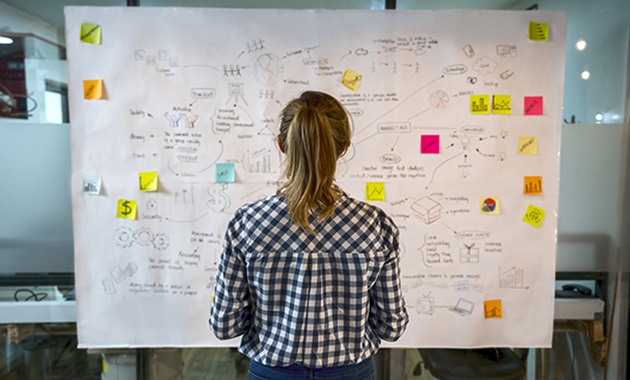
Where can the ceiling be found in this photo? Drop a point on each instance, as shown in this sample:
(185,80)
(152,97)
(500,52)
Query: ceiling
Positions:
(51,11)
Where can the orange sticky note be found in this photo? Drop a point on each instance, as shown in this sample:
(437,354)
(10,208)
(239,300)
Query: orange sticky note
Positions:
(375,191)
(93,89)
(127,209)
(480,104)
(532,185)
(351,79)
(492,309)
(534,216)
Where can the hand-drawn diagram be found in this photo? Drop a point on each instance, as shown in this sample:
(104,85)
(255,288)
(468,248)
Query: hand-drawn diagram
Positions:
(423,103)
(125,237)
(427,209)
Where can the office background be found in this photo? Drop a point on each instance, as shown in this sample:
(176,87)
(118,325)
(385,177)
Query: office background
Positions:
(35,213)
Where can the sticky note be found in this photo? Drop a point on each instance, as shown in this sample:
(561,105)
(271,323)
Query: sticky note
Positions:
(148,181)
(539,31)
(534,216)
(489,205)
(532,185)
(375,191)
(351,79)
(92,184)
(126,209)
(501,104)
(492,309)
(91,33)
(430,144)
(225,172)
(533,106)
(93,89)
(528,145)
(480,104)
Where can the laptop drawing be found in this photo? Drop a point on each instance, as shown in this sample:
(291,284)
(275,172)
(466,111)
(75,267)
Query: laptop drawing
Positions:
(463,307)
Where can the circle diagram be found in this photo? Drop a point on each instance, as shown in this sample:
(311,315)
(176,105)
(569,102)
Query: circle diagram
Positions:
(439,99)
(268,69)
(489,205)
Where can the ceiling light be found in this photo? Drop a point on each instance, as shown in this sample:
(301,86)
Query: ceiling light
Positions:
(586,74)
(580,45)
(5,40)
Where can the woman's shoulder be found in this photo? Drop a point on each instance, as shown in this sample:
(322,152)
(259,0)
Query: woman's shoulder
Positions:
(260,207)
(356,206)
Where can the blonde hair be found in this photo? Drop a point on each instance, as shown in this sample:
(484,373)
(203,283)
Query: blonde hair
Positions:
(314,133)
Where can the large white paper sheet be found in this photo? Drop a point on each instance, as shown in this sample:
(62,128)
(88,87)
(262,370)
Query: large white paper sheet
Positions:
(186,89)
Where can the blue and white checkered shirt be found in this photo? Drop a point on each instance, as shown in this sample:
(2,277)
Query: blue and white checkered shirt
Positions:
(319,300)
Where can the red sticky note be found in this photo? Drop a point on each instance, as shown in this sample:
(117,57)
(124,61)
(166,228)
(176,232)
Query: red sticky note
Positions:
(533,105)
(430,144)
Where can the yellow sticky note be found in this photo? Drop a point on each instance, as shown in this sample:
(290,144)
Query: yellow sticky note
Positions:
(501,104)
(93,89)
(375,191)
(104,366)
(91,33)
(528,145)
(492,309)
(351,79)
(534,216)
(489,205)
(480,104)
(539,31)
(148,181)
(532,185)
(127,209)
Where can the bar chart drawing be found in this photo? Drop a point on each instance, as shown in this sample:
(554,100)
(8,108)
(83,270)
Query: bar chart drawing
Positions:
(533,185)
(478,105)
(257,162)
(513,278)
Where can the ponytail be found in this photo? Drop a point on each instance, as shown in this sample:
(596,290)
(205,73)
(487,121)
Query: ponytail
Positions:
(314,132)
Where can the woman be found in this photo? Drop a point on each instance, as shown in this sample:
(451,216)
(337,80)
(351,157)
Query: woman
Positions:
(310,277)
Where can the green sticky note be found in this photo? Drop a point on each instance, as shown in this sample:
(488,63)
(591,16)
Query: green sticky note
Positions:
(91,33)
(148,181)
(375,191)
(539,31)
(127,209)
(534,216)
(225,172)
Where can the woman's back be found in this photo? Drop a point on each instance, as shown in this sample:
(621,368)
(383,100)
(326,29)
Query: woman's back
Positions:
(310,294)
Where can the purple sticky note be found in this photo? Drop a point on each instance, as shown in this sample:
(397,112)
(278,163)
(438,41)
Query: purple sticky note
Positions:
(430,144)
(533,105)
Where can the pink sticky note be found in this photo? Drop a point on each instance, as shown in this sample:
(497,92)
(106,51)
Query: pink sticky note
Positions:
(430,144)
(533,105)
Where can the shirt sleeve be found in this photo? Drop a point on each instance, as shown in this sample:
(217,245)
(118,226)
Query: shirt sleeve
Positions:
(230,314)
(388,315)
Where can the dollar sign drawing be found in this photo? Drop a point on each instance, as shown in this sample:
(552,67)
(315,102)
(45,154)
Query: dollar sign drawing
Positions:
(128,208)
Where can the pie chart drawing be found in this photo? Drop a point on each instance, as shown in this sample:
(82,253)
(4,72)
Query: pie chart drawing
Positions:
(489,205)
(439,99)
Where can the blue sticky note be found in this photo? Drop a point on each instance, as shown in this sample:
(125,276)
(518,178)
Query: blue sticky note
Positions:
(225,172)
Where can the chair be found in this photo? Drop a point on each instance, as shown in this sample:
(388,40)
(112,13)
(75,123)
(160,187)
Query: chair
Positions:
(474,364)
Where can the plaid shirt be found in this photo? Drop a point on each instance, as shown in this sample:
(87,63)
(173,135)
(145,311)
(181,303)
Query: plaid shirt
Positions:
(318,300)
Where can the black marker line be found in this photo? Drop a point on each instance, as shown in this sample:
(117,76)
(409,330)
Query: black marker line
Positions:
(399,104)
